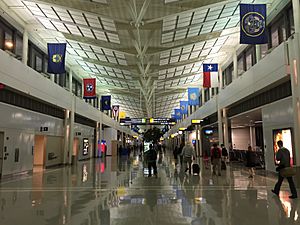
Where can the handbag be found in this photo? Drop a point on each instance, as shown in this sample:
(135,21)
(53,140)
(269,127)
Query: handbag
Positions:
(288,172)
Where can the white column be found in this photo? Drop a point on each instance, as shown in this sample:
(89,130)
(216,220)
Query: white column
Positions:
(66,137)
(200,143)
(252,136)
(25,47)
(70,80)
(72,119)
(296,10)
(220,78)
(225,129)
(52,77)
(294,58)
(220,126)
(235,65)
(258,52)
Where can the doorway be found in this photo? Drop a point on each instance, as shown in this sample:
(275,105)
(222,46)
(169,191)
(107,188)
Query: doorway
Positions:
(39,152)
(1,151)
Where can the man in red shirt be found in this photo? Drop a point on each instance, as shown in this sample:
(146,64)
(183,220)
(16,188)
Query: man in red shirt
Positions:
(216,154)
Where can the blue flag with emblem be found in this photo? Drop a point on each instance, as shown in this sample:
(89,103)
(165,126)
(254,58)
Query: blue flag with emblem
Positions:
(184,107)
(56,60)
(253,24)
(194,95)
(178,115)
(105,102)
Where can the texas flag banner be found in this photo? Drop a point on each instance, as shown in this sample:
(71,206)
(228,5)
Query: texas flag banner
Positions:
(253,24)
(89,85)
(56,60)
(210,75)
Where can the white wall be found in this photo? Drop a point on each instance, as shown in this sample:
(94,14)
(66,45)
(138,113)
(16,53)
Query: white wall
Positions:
(54,145)
(275,116)
(109,134)
(86,132)
(240,138)
(19,127)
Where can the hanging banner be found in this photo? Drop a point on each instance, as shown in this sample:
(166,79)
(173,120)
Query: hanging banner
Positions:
(193,94)
(56,60)
(253,24)
(122,114)
(115,111)
(210,75)
(105,102)
(184,105)
(89,85)
(178,115)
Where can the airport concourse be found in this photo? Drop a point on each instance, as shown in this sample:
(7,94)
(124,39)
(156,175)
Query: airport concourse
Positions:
(153,112)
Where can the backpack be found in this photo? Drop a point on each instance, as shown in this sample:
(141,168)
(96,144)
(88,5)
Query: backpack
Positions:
(216,153)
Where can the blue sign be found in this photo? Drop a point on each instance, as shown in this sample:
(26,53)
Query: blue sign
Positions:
(194,95)
(184,107)
(56,60)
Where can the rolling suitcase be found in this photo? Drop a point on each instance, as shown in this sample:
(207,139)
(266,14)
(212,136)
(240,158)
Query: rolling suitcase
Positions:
(223,165)
(196,168)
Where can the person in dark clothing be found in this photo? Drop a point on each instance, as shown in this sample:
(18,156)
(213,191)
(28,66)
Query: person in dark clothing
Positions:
(216,154)
(284,159)
(251,160)
(151,159)
(180,151)
(224,152)
(175,152)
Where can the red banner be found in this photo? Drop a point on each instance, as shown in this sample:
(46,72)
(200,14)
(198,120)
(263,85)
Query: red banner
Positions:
(89,88)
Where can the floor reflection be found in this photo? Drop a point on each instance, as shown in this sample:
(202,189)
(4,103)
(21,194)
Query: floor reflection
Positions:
(115,191)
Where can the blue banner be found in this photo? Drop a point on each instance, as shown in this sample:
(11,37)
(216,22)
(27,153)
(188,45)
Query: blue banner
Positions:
(194,95)
(105,102)
(178,115)
(184,107)
(56,60)
(253,24)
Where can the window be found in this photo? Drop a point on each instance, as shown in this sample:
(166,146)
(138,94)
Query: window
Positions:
(241,65)
(250,57)
(8,40)
(19,47)
(74,86)
(79,91)
(206,94)
(38,66)
(227,75)
(291,23)
(264,49)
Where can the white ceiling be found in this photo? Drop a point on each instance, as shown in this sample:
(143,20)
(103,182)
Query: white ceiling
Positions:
(145,53)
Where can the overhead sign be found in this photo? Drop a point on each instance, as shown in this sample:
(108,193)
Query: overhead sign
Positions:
(147,121)
(197,121)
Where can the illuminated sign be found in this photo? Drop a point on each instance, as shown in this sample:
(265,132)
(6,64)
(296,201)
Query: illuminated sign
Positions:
(147,121)
(197,121)
(182,129)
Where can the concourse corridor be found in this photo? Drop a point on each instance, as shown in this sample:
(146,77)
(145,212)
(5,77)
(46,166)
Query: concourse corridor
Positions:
(117,192)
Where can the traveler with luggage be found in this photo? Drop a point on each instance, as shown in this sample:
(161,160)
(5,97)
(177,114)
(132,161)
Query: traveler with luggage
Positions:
(251,161)
(188,154)
(151,157)
(284,170)
(216,154)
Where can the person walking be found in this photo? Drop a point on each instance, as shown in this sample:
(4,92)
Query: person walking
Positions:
(151,156)
(188,154)
(284,159)
(251,161)
(180,153)
(216,154)
(224,153)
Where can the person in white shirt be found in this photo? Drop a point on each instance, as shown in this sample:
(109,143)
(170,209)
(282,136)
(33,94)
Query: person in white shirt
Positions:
(188,154)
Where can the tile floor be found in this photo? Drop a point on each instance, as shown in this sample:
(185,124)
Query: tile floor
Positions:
(117,192)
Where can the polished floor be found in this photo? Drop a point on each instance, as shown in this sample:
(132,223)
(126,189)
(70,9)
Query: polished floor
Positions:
(117,192)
